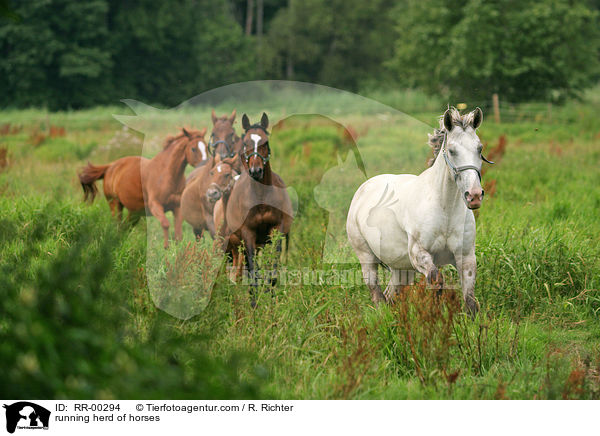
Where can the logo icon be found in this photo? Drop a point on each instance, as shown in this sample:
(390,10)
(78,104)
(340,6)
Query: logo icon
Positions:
(26,415)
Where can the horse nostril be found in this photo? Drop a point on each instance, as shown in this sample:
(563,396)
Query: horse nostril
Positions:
(467,195)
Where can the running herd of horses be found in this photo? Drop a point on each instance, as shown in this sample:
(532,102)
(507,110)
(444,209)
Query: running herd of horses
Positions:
(399,222)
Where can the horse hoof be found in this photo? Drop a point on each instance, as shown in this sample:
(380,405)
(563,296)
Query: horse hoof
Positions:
(378,300)
(472,307)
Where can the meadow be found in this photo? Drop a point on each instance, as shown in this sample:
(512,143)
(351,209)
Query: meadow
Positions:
(79,318)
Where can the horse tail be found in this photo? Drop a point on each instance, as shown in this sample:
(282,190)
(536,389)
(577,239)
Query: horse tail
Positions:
(88,176)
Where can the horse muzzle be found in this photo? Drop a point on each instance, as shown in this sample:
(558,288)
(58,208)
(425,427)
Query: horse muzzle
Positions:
(473,198)
(256,173)
(213,194)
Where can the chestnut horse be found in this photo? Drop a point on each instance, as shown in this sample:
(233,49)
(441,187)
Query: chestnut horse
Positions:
(258,203)
(198,200)
(154,185)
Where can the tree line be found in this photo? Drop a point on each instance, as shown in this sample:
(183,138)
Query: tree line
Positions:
(64,54)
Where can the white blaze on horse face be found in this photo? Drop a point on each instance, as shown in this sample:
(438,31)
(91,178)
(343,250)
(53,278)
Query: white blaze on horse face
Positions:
(202,148)
(219,168)
(256,138)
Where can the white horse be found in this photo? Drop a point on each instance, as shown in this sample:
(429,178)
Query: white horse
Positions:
(407,222)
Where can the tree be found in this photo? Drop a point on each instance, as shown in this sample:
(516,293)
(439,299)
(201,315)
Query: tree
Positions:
(67,54)
(55,55)
(340,43)
(522,50)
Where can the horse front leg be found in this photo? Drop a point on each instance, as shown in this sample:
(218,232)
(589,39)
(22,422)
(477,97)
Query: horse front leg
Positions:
(278,250)
(158,211)
(250,245)
(467,271)
(178,223)
(422,261)
(210,225)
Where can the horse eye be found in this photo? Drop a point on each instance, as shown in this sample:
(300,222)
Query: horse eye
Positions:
(452,153)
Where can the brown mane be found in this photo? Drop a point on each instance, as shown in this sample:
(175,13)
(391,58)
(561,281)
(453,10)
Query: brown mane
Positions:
(174,139)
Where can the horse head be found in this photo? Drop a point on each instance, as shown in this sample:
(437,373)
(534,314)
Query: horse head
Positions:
(222,176)
(255,146)
(223,142)
(461,149)
(195,148)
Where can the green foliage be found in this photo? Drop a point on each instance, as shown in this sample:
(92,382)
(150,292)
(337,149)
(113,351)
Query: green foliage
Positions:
(64,54)
(521,50)
(171,51)
(56,55)
(340,43)
(64,331)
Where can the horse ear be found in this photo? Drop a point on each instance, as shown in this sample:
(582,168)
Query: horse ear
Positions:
(448,119)
(264,121)
(213,116)
(203,131)
(245,122)
(186,133)
(232,116)
(477,117)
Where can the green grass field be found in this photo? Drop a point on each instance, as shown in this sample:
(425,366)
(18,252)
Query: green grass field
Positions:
(78,319)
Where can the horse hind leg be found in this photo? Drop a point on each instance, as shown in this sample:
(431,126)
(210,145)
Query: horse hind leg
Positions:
(395,285)
(369,264)
(272,275)
(116,208)
(133,218)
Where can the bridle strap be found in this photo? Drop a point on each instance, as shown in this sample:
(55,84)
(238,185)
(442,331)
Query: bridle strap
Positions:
(457,170)
(255,153)
(213,147)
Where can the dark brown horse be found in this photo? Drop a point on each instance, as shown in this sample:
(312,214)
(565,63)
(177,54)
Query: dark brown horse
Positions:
(259,202)
(198,200)
(154,185)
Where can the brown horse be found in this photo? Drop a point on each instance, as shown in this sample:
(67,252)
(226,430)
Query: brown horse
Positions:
(198,200)
(154,185)
(223,139)
(223,142)
(258,203)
